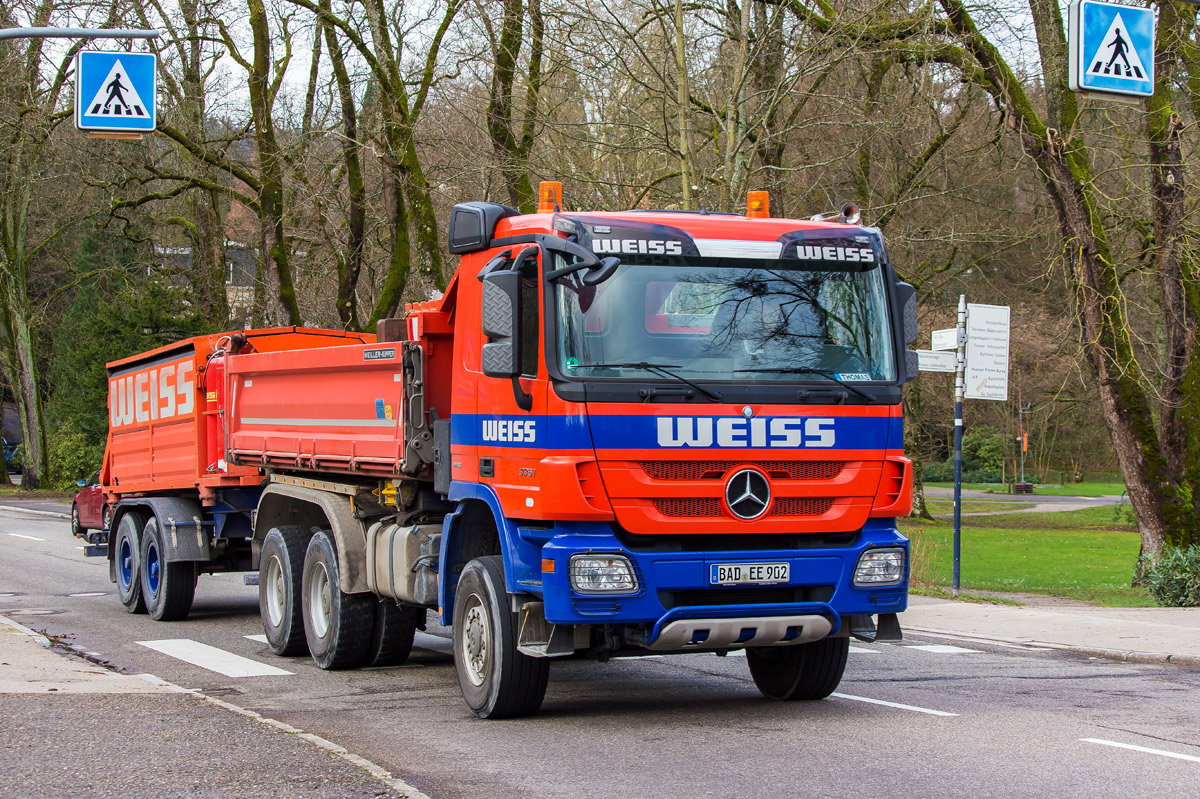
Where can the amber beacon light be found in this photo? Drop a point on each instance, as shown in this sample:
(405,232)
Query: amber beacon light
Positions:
(758,204)
(549,196)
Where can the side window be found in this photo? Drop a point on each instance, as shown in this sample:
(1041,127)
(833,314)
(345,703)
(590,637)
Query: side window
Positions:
(530,329)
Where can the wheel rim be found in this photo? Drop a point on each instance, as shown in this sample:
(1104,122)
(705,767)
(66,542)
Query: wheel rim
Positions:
(476,651)
(320,600)
(153,575)
(125,564)
(276,588)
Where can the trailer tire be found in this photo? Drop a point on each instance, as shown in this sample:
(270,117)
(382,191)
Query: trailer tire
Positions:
(126,558)
(337,625)
(393,632)
(497,680)
(167,587)
(802,671)
(281,566)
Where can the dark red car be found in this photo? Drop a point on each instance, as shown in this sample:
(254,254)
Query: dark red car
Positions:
(89,511)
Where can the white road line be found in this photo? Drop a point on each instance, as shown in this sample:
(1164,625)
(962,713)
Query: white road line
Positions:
(862,650)
(1145,749)
(260,638)
(943,649)
(433,642)
(30,537)
(212,658)
(913,708)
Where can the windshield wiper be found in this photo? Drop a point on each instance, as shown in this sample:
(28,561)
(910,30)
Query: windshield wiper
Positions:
(808,370)
(661,368)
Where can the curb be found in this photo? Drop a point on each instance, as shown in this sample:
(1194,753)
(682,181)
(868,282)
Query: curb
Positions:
(1123,655)
(36,512)
(37,637)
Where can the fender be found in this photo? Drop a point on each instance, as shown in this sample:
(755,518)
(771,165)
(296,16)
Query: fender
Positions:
(289,504)
(522,564)
(181,521)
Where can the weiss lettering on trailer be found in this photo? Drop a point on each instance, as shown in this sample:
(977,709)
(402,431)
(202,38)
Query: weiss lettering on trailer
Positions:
(510,430)
(637,246)
(862,255)
(735,431)
(163,391)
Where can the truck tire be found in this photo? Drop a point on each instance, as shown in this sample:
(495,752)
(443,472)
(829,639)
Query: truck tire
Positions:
(497,680)
(338,625)
(168,588)
(126,558)
(77,530)
(393,632)
(803,671)
(280,568)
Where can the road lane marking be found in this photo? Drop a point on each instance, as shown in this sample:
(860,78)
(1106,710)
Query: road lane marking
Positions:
(862,650)
(433,642)
(260,638)
(1146,749)
(89,594)
(212,658)
(30,537)
(913,708)
(942,649)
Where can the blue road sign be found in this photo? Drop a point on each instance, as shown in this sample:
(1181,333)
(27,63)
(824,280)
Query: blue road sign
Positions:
(1111,48)
(116,92)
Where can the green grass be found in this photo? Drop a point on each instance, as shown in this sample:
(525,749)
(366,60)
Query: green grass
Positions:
(1050,489)
(974,505)
(15,492)
(1078,554)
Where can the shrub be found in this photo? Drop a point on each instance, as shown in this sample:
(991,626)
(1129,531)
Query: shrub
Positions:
(1174,578)
(72,457)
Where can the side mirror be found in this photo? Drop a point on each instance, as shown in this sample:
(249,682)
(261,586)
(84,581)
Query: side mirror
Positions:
(907,294)
(81,483)
(501,322)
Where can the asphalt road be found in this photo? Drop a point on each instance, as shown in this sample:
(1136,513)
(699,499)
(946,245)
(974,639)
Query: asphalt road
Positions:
(925,718)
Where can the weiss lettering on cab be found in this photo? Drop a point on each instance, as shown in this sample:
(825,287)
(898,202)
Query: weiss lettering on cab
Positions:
(159,392)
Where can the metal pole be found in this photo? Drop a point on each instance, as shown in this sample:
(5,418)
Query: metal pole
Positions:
(961,329)
(77,33)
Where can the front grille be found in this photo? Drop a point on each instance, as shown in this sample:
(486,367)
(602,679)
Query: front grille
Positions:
(715,470)
(710,507)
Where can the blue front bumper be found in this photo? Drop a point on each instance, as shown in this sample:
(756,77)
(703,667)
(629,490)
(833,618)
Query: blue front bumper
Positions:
(676,585)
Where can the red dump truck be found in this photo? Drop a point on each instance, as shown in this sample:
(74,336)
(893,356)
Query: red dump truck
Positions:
(616,434)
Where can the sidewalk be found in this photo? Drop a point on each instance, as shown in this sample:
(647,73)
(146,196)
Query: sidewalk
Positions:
(1139,635)
(39,506)
(73,728)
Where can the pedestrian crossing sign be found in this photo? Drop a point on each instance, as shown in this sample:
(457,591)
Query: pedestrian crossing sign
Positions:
(116,92)
(1111,48)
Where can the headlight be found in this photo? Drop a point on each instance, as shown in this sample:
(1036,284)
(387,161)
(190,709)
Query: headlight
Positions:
(878,567)
(602,574)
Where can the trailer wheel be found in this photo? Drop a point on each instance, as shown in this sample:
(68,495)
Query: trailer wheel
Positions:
(281,566)
(496,679)
(168,588)
(77,530)
(126,557)
(337,625)
(803,671)
(393,633)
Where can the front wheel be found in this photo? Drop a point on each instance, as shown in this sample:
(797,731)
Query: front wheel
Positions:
(168,587)
(802,671)
(126,555)
(77,529)
(496,679)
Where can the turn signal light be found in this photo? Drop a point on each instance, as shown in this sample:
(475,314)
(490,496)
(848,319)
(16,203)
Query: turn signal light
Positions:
(758,204)
(549,196)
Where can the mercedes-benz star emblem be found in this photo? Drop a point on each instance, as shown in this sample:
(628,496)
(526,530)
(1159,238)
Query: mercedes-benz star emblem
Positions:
(748,494)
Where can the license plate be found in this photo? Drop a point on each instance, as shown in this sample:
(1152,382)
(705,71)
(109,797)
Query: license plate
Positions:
(749,573)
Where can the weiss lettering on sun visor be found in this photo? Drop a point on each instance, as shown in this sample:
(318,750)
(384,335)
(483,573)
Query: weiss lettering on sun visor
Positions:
(636,247)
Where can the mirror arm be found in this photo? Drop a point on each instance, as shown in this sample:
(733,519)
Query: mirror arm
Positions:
(524,399)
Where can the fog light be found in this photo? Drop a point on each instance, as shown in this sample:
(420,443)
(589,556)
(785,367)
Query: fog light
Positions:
(880,567)
(602,574)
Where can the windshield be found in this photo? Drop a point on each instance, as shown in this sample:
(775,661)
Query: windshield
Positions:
(726,320)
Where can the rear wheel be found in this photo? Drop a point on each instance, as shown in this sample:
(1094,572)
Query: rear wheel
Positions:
(77,530)
(337,625)
(281,565)
(393,633)
(496,679)
(126,557)
(168,587)
(106,517)
(803,671)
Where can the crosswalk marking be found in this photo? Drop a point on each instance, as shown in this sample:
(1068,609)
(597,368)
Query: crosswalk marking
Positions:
(942,649)
(897,705)
(260,638)
(212,658)
(433,642)
(1145,749)
(862,650)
